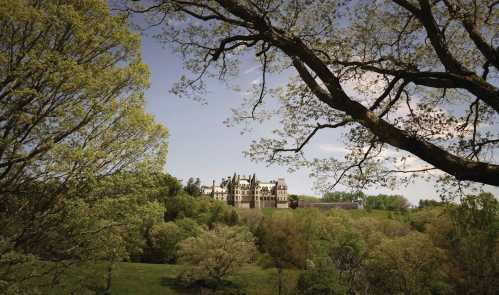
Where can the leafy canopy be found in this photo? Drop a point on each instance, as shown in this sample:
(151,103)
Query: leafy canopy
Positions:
(71,113)
(411,84)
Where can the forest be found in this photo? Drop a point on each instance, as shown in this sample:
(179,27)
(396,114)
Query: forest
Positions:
(87,205)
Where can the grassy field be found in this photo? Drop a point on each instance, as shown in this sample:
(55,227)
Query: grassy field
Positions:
(141,278)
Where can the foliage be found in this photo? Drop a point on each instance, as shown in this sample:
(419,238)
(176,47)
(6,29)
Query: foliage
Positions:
(213,212)
(293,201)
(193,187)
(163,239)
(344,197)
(146,183)
(407,265)
(435,250)
(180,206)
(473,242)
(320,278)
(214,255)
(426,219)
(429,203)
(344,246)
(71,114)
(204,210)
(251,219)
(281,240)
(387,202)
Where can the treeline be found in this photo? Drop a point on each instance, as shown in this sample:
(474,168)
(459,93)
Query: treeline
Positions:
(369,202)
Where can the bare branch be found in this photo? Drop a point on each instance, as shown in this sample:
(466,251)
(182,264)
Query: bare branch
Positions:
(307,139)
(264,72)
(355,165)
(387,91)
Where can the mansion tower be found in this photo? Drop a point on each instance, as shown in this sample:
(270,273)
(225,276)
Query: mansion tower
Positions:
(248,192)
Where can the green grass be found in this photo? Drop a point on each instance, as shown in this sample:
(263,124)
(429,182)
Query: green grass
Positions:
(257,281)
(144,279)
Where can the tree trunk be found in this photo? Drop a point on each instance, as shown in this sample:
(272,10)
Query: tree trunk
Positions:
(109,278)
(279,280)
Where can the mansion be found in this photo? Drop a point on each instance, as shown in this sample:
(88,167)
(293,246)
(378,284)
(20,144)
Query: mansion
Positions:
(248,192)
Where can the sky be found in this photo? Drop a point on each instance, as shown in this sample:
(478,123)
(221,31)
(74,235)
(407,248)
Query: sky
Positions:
(200,145)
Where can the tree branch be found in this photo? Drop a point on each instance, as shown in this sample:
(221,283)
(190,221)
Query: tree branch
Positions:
(307,139)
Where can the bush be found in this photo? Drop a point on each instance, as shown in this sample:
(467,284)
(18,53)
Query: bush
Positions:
(163,239)
(320,278)
(407,265)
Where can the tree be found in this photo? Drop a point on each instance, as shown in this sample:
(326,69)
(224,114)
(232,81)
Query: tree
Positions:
(387,202)
(293,201)
(170,185)
(217,212)
(345,246)
(429,203)
(215,254)
(413,83)
(71,114)
(473,241)
(282,241)
(166,236)
(251,219)
(193,187)
(321,278)
(407,265)
(344,197)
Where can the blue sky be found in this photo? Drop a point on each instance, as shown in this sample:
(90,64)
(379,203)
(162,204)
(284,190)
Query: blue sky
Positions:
(200,145)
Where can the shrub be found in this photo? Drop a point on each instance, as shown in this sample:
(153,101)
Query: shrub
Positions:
(215,254)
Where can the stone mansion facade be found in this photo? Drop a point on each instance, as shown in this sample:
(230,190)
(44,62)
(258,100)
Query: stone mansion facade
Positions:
(248,192)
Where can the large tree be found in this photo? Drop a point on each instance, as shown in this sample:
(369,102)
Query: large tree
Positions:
(71,113)
(417,77)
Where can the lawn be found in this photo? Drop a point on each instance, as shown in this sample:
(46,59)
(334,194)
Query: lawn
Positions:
(141,278)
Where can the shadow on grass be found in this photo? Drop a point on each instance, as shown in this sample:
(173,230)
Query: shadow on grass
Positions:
(201,287)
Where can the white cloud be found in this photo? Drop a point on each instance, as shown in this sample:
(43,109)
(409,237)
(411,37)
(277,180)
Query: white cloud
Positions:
(332,148)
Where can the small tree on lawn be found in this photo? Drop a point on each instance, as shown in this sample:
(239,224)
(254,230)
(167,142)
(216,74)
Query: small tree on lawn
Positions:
(214,255)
